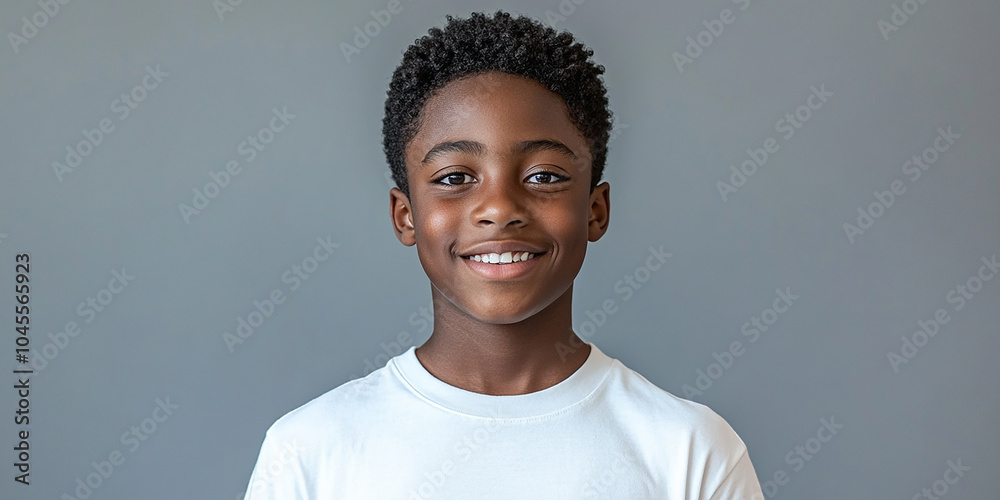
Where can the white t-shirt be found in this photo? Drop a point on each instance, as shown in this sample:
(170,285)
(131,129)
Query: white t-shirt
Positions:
(604,432)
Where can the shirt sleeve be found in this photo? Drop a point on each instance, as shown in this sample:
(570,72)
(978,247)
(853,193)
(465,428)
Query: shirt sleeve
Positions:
(741,483)
(278,473)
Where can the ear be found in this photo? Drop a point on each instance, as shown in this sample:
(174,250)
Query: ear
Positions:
(600,211)
(401,215)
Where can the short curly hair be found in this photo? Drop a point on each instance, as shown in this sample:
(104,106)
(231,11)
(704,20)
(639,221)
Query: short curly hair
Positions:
(519,46)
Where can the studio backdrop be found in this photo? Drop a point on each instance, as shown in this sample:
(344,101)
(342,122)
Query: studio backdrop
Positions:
(195,234)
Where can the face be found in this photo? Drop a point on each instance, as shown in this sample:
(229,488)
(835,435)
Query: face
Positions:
(497,166)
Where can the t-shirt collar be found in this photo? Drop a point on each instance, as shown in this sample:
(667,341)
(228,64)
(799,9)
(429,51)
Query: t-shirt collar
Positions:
(574,389)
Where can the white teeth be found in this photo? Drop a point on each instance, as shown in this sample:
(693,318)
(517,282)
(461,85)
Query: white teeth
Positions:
(502,258)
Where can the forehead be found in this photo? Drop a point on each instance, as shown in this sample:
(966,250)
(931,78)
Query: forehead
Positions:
(495,109)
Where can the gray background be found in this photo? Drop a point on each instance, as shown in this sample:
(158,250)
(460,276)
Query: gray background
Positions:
(678,132)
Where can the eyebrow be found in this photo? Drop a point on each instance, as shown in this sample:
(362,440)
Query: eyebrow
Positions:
(479,149)
(467,147)
(528,147)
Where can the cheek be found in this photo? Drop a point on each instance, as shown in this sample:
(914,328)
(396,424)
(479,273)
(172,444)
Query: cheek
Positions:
(568,224)
(437,220)
(434,227)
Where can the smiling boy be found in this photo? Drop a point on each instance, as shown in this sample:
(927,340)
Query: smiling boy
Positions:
(496,132)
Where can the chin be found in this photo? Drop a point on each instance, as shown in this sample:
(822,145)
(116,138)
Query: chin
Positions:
(505,316)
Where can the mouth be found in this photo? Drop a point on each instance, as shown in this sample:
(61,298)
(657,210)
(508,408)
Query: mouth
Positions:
(503,258)
(502,266)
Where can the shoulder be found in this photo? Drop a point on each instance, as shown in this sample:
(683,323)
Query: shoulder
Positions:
(665,416)
(685,440)
(346,406)
(332,424)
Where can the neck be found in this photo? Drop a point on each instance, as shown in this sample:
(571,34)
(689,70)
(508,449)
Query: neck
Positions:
(503,359)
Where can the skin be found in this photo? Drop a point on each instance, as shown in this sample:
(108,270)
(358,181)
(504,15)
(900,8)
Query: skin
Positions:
(500,337)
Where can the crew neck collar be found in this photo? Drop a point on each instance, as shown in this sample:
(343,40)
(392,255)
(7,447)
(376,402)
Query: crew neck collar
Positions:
(580,384)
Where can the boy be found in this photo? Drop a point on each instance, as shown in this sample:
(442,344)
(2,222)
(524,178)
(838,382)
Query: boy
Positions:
(496,131)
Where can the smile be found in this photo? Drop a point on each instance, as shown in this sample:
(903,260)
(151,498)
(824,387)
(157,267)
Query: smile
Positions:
(502,266)
(501,258)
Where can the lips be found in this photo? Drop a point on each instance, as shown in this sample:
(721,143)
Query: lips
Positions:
(506,259)
(505,268)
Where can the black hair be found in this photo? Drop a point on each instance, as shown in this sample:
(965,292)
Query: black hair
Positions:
(519,46)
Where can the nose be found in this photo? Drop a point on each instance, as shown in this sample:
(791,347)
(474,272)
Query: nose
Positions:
(501,202)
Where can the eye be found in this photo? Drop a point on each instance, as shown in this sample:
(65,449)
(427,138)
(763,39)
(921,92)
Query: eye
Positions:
(547,177)
(454,179)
